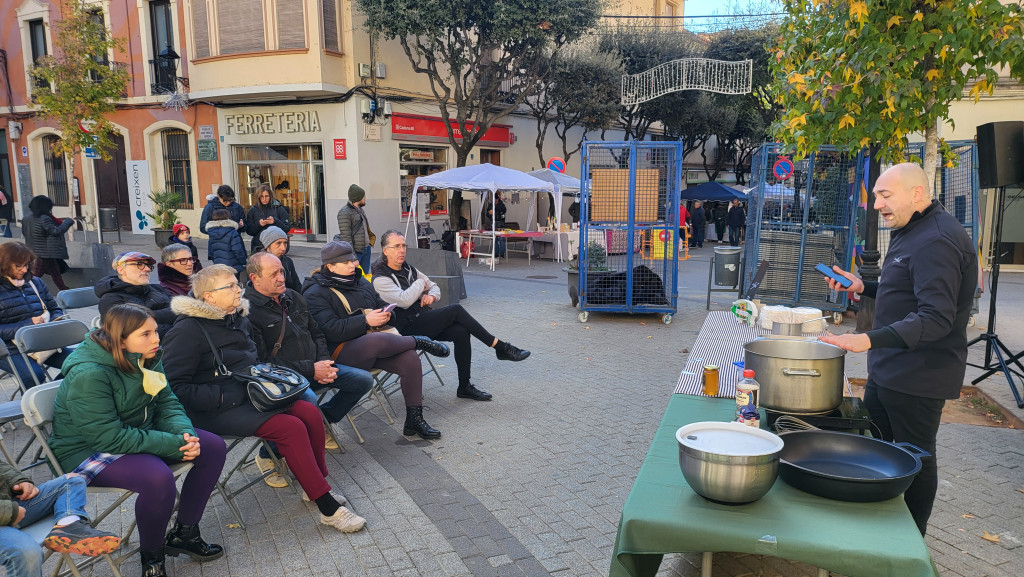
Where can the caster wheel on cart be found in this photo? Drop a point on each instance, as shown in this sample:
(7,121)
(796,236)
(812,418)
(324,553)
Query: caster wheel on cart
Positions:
(667,319)
(972,321)
(837,318)
(583,316)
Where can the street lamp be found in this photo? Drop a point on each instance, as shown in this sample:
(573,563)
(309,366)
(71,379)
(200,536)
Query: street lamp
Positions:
(167,68)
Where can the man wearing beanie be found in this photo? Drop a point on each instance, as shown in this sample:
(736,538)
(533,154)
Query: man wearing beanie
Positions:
(353,227)
(275,241)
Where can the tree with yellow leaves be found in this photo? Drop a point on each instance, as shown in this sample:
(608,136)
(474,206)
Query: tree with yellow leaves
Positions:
(869,73)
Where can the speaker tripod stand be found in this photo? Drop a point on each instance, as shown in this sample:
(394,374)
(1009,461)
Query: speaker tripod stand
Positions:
(1005,360)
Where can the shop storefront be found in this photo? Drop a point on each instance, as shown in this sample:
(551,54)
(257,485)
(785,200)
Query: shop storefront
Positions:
(296,175)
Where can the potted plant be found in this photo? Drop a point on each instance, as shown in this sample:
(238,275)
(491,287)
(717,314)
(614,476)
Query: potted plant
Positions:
(164,215)
(597,264)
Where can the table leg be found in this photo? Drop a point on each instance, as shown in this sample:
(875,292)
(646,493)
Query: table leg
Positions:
(705,564)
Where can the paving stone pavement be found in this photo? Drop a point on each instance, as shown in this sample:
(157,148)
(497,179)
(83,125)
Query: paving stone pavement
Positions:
(533,482)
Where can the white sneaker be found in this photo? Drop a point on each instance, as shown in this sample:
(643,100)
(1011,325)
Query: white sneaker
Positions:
(343,520)
(337,497)
(275,479)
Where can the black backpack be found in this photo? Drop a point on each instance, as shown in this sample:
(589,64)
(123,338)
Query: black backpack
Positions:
(448,240)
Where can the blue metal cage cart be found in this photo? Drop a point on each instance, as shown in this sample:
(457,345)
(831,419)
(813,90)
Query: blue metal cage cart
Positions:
(799,222)
(629,228)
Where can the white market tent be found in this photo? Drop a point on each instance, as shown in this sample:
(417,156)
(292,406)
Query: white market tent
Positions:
(563,183)
(479,178)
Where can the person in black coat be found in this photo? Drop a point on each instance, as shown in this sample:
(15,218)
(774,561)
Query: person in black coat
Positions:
(44,234)
(275,241)
(220,404)
(225,199)
(737,219)
(350,314)
(24,301)
(130,284)
(700,223)
(265,213)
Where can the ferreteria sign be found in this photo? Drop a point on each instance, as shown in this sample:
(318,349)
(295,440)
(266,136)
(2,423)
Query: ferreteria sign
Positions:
(273,122)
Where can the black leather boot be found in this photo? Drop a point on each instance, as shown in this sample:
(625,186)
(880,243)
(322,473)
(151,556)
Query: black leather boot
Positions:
(506,352)
(186,540)
(415,425)
(432,347)
(153,563)
(469,391)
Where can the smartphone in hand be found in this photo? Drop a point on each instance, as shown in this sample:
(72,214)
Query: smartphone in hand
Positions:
(389,308)
(828,272)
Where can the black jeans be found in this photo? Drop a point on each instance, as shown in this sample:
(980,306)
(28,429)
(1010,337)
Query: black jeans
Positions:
(451,323)
(904,418)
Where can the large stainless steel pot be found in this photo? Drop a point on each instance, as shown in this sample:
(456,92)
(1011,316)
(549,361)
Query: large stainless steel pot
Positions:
(730,463)
(797,375)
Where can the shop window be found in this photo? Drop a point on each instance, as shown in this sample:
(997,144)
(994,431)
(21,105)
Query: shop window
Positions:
(332,37)
(294,173)
(422,161)
(177,165)
(56,174)
(37,39)
(240,24)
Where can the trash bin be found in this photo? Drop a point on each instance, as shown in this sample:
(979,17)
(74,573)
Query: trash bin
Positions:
(727,265)
(108,219)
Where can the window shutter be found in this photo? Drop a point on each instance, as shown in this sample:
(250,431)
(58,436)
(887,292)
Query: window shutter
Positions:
(291,24)
(330,9)
(200,29)
(241,26)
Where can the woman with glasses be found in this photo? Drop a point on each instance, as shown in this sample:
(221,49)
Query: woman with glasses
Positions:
(130,284)
(24,301)
(220,404)
(178,264)
(265,213)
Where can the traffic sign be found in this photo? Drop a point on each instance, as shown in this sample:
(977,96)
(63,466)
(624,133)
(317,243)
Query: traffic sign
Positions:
(90,152)
(556,163)
(86,126)
(783,168)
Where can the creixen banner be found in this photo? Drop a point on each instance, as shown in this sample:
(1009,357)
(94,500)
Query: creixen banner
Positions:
(138,196)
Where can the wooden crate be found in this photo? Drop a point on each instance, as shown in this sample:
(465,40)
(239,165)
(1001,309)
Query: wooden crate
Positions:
(609,195)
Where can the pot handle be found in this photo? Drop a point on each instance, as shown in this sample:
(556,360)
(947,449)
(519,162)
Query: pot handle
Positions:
(801,372)
(914,450)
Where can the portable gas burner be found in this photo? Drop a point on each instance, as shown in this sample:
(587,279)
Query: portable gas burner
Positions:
(851,414)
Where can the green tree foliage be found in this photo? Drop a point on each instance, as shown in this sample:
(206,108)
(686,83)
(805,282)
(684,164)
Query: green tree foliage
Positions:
(483,59)
(80,83)
(856,73)
(582,91)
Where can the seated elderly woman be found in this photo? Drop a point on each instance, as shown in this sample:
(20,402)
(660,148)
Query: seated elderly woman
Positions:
(24,301)
(219,403)
(350,313)
(130,284)
(178,264)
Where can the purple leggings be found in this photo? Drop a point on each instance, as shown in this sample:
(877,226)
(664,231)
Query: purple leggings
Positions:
(391,352)
(150,477)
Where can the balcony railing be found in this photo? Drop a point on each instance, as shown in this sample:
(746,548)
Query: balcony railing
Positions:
(165,78)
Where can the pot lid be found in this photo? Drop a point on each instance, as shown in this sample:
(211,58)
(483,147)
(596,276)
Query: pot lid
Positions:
(729,439)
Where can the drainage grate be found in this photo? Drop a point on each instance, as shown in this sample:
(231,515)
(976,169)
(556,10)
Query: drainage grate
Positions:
(540,276)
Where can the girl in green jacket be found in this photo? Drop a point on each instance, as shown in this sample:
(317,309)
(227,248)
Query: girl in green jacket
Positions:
(117,423)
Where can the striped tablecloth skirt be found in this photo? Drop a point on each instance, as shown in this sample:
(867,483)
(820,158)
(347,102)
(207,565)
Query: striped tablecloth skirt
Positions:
(720,343)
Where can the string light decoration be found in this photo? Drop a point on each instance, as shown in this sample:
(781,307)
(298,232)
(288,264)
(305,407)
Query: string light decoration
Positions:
(718,76)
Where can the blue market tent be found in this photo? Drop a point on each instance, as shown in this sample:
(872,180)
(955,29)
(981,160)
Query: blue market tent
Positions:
(712,191)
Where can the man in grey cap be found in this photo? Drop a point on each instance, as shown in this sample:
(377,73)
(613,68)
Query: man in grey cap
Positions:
(353,227)
(275,241)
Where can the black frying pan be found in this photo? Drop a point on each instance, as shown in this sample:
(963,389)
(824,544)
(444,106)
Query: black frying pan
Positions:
(848,467)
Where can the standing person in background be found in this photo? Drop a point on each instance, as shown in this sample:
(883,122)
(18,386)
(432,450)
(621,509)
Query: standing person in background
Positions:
(183,235)
(44,234)
(6,210)
(917,346)
(684,216)
(721,217)
(737,220)
(265,213)
(275,241)
(225,246)
(700,223)
(353,227)
(225,199)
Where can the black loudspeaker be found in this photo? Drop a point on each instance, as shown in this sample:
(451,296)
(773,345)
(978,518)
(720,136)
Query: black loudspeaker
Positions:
(1001,154)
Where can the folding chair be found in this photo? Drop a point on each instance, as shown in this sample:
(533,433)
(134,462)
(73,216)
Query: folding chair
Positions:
(11,415)
(374,393)
(37,405)
(78,298)
(222,486)
(47,336)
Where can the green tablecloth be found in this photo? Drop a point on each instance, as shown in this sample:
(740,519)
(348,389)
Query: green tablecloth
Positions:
(663,515)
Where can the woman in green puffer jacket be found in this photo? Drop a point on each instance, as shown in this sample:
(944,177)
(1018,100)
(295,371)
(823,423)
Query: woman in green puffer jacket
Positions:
(117,423)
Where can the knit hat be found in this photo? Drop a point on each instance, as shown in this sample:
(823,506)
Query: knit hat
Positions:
(127,257)
(356,193)
(271,234)
(178,228)
(337,251)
